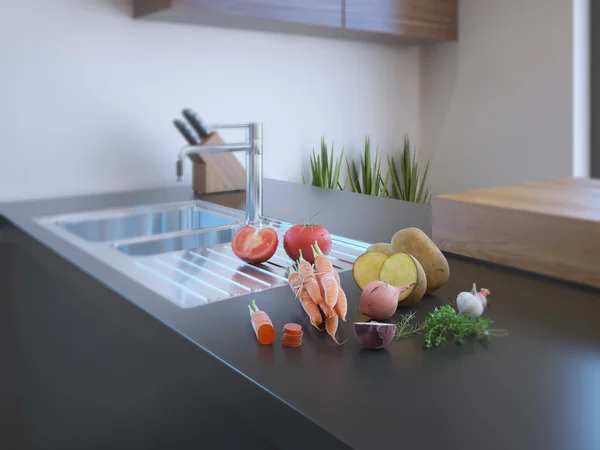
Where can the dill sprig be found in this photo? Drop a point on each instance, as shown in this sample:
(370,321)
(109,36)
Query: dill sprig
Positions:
(405,329)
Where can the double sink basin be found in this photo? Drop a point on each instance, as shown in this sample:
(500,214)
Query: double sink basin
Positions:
(182,251)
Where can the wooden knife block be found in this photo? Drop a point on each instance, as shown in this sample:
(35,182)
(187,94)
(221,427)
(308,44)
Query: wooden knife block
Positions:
(217,172)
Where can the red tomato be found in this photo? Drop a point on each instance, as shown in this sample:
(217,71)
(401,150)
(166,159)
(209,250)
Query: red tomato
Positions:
(255,246)
(302,236)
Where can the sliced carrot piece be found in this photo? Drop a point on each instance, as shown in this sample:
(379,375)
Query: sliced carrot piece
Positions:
(266,334)
(293,329)
(290,344)
(289,338)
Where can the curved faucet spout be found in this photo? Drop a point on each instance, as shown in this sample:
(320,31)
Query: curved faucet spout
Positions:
(254,177)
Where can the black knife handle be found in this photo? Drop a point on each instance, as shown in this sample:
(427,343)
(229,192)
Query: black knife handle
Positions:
(186,132)
(196,122)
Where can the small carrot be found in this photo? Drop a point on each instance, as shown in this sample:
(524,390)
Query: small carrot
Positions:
(308,305)
(337,278)
(341,306)
(263,327)
(327,310)
(325,270)
(294,280)
(331,325)
(309,282)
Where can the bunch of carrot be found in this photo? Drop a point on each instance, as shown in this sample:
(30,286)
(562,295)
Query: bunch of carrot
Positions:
(319,291)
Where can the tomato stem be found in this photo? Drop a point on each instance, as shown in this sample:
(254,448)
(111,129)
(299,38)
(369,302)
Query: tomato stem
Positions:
(313,216)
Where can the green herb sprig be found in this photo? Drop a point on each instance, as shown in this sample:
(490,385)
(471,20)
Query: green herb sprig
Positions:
(405,329)
(444,321)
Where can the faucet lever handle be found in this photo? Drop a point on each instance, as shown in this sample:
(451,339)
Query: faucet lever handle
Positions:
(254,129)
(224,126)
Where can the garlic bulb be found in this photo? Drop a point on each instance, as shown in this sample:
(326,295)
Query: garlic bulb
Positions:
(472,304)
(469,305)
(481,295)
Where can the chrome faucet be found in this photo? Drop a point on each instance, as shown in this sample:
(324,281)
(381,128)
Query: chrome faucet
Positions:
(253,146)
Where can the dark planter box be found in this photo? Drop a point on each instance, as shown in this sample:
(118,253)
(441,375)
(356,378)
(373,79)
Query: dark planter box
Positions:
(356,216)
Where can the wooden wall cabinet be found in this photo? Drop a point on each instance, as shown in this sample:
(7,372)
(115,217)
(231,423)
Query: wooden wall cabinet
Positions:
(313,12)
(398,20)
(433,19)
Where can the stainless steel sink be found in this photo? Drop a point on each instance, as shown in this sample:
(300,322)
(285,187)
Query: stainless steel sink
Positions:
(183,251)
(127,224)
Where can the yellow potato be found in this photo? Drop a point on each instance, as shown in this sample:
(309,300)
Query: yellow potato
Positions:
(418,244)
(381,247)
(420,288)
(400,270)
(366,268)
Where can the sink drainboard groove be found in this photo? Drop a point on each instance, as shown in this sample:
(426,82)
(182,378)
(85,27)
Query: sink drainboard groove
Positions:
(196,255)
(189,276)
(170,281)
(285,260)
(253,267)
(345,265)
(204,269)
(343,253)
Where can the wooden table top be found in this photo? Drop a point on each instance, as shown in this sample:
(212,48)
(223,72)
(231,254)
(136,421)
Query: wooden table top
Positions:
(548,227)
(578,198)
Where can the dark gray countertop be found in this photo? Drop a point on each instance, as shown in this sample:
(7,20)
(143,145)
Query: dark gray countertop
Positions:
(537,388)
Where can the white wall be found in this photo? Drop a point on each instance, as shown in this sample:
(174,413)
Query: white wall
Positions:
(87,94)
(497,107)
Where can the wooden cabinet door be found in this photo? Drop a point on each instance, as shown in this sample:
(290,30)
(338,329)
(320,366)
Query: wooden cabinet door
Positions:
(314,12)
(416,18)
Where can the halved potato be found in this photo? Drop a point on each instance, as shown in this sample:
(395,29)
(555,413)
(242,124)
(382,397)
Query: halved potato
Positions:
(400,269)
(366,268)
(381,247)
(420,288)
